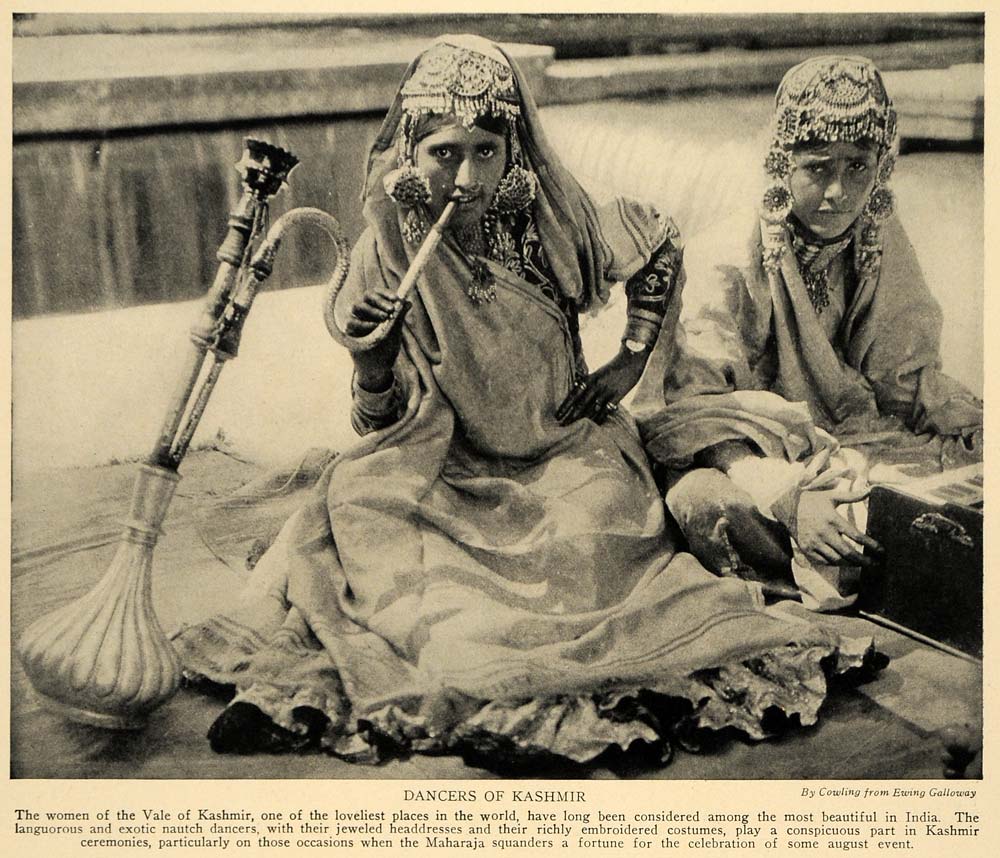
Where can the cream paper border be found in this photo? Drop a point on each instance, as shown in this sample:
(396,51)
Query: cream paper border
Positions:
(371,791)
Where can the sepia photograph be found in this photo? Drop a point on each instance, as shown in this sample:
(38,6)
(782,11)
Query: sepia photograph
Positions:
(440,397)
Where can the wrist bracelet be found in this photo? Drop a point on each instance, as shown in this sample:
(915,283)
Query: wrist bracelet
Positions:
(636,347)
(651,316)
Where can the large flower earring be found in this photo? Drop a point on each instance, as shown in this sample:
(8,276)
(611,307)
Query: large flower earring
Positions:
(879,208)
(410,188)
(516,190)
(881,204)
(882,201)
(408,185)
(776,203)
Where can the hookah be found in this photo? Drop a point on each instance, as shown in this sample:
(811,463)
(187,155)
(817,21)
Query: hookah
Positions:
(104,660)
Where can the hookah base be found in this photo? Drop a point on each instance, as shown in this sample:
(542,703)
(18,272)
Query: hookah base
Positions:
(80,715)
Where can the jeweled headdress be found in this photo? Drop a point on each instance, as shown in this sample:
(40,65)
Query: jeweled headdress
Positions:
(830,99)
(466,83)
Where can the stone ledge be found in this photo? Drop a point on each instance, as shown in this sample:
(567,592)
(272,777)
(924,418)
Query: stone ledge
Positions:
(593,80)
(95,84)
(933,103)
(939,104)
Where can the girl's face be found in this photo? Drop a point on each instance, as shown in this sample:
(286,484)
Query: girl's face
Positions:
(471,162)
(830,185)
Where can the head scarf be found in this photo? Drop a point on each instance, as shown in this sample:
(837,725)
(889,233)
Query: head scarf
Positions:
(830,99)
(471,77)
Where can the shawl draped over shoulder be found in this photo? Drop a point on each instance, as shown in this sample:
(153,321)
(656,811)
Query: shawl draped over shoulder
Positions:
(476,574)
(751,361)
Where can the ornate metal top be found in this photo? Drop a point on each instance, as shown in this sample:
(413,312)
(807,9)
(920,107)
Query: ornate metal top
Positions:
(264,166)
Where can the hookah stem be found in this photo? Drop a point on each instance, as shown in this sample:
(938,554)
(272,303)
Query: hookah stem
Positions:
(225,342)
(180,446)
(245,222)
(426,249)
(381,331)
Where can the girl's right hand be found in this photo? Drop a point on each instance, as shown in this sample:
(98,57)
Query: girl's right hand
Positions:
(824,535)
(374,365)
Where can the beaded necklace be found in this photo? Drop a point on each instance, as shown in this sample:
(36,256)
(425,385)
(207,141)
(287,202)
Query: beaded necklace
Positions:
(814,257)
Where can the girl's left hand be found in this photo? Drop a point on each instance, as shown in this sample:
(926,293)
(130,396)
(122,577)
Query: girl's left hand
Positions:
(597,396)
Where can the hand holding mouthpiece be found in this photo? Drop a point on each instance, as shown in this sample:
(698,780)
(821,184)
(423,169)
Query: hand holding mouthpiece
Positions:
(367,341)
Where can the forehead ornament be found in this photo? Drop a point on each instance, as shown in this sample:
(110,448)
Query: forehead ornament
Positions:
(831,100)
(462,82)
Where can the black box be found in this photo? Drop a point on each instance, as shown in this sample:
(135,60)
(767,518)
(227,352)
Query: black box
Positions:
(930,577)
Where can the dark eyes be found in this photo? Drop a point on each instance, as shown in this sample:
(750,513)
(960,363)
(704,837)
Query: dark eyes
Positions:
(820,168)
(447,153)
